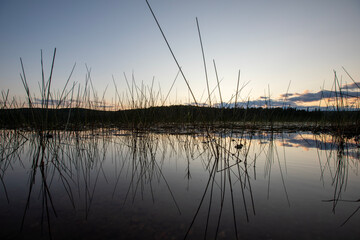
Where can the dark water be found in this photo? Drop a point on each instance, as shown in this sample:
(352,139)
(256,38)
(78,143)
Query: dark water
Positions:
(122,185)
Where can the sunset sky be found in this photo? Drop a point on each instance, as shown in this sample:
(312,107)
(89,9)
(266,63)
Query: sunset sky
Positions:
(275,45)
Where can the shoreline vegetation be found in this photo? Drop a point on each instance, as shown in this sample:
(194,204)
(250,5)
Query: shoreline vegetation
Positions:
(68,110)
(182,118)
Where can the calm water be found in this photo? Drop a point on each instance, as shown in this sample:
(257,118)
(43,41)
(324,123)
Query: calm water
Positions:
(121,185)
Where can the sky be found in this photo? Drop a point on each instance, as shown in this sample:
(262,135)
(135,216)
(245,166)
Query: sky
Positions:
(280,47)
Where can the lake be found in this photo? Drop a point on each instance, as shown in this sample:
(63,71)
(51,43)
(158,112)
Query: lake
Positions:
(117,184)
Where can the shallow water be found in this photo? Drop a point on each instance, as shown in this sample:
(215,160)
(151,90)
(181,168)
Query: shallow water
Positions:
(111,184)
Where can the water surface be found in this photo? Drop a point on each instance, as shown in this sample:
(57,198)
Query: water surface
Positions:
(112,184)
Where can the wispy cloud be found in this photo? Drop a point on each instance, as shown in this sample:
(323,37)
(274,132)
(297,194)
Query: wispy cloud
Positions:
(71,103)
(259,103)
(286,95)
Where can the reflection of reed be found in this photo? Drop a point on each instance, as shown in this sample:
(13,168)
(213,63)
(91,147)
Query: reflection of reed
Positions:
(76,159)
(12,143)
(78,162)
(338,161)
(61,156)
(271,154)
(145,169)
(40,160)
(228,167)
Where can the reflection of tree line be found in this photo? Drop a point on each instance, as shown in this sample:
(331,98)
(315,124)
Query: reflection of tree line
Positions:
(77,159)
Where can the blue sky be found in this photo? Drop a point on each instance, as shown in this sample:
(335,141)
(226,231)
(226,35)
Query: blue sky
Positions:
(271,42)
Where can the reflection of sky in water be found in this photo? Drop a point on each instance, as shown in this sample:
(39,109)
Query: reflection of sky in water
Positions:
(307,141)
(130,186)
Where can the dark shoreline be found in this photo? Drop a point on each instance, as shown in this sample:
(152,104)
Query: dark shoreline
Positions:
(176,118)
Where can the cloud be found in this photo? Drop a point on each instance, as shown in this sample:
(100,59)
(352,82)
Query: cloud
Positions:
(286,95)
(68,103)
(306,100)
(258,103)
(50,102)
(323,94)
(310,97)
(352,86)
